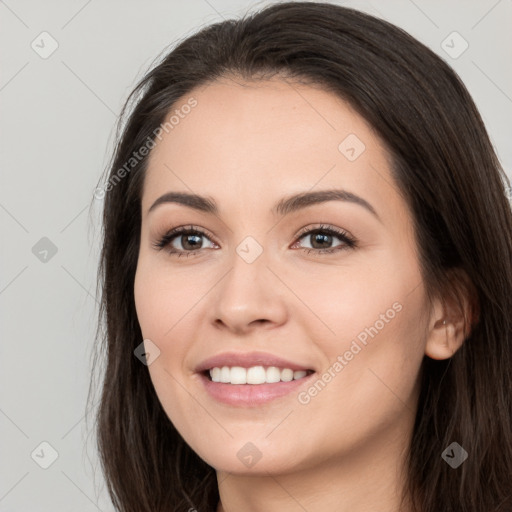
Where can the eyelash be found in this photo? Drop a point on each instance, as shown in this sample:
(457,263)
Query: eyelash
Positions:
(348,241)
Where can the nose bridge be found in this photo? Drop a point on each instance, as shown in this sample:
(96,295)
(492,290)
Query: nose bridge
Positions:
(246,292)
(248,271)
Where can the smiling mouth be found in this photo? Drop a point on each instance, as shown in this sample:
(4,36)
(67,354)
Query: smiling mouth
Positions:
(253,387)
(254,376)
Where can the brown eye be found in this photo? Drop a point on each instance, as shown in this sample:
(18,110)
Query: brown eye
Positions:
(191,241)
(322,238)
(183,241)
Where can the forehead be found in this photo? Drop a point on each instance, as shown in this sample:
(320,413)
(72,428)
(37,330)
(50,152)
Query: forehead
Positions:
(244,142)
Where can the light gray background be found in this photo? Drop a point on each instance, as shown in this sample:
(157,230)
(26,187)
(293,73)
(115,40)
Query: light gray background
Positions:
(57,118)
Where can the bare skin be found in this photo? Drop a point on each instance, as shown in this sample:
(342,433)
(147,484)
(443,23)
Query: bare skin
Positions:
(247,146)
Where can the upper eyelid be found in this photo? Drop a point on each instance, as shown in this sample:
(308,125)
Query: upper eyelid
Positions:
(179,230)
(322,227)
(302,231)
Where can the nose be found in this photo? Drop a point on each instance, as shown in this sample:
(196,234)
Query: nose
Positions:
(249,295)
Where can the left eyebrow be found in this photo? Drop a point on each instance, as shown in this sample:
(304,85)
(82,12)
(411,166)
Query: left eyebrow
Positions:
(283,207)
(305,199)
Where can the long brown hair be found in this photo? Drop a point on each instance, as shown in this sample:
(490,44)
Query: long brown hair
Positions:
(447,171)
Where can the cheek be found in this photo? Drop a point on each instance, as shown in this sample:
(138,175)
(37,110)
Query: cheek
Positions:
(160,305)
(166,302)
(147,301)
(374,353)
(161,299)
(380,293)
(374,365)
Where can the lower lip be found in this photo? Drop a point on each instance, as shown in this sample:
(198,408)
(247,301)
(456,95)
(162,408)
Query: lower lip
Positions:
(249,395)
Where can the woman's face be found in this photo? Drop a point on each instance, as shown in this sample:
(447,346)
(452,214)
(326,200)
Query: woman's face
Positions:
(261,280)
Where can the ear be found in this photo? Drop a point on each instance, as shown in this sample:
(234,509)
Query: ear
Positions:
(454,313)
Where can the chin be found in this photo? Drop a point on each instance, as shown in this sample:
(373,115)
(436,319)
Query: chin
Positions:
(247,458)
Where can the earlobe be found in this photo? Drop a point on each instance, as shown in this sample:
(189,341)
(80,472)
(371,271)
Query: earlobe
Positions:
(453,318)
(444,340)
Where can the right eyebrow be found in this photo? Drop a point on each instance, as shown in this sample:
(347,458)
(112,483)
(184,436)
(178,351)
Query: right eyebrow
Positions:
(200,203)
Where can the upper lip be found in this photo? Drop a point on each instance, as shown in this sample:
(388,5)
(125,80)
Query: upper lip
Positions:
(246,360)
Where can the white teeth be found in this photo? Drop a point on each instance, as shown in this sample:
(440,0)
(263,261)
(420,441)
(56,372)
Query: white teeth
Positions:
(273,375)
(215,374)
(254,375)
(225,374)
(286,375)
(238,375)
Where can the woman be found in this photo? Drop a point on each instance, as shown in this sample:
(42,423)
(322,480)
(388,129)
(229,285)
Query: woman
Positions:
(307,278)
